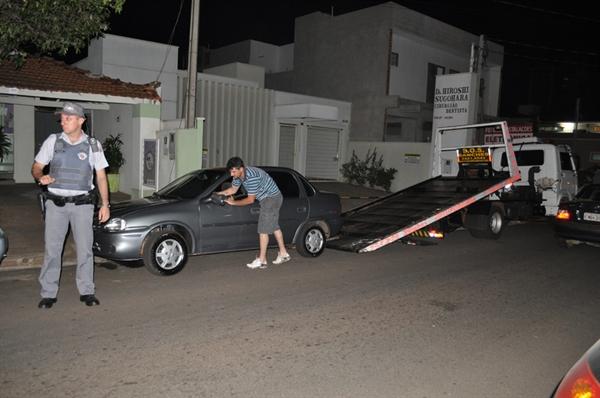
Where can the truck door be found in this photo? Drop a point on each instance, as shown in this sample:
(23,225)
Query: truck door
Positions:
(568,175)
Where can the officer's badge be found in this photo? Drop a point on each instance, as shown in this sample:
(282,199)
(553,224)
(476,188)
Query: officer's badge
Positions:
(82,155)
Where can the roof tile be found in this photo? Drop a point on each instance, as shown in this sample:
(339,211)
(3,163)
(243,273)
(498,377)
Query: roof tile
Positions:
(47,74)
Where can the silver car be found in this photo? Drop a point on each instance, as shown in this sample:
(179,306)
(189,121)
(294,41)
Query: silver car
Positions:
(184,218)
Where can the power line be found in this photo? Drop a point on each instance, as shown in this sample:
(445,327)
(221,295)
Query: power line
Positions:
(546,59)
(547,11)
(542,47)
(170,43)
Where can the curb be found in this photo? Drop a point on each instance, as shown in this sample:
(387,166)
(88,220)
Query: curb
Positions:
(29,261)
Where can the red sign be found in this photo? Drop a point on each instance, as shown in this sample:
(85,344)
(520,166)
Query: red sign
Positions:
(515,130)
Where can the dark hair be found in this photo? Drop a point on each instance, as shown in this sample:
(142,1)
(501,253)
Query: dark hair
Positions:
(235,163)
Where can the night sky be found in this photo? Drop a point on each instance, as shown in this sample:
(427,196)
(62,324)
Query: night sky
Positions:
(551,48)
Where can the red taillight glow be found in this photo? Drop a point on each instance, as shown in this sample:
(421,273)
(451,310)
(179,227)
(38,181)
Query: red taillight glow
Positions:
(579,383)
(435,234)
(563,214)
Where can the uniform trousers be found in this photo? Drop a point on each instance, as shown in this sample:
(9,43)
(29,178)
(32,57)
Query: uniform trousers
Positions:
(58,218)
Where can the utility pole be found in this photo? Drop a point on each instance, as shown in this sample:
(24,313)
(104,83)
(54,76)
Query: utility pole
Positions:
(574,149)
(477,59)
(190,114)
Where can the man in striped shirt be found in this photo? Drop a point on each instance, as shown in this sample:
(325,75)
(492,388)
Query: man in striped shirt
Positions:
(260,186)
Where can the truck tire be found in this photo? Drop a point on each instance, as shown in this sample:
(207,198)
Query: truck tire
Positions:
(494,225)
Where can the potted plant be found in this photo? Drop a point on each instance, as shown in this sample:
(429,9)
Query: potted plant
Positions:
(5,145)
(112,151)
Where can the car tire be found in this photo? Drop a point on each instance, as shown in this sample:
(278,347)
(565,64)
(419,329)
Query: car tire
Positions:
(165,253)
(494,225)
(311,242)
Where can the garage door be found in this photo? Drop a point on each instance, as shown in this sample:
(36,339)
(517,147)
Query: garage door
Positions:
(287,145)
(322,153)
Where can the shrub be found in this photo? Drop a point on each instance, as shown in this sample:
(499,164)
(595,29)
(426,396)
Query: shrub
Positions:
(370,171)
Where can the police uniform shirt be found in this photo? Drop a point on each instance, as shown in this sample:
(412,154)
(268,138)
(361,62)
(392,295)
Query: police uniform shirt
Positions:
(46,153)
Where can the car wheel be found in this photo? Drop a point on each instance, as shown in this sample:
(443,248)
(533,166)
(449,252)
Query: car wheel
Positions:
(311,242)
(165,253)
(494,225)
(565,244)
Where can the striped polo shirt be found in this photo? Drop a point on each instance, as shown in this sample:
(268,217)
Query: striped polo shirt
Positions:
(257,182)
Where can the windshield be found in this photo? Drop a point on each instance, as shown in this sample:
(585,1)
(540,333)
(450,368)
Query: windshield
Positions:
(191,184)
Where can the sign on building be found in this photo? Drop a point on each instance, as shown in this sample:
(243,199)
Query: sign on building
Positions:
(515,130)
(455,103)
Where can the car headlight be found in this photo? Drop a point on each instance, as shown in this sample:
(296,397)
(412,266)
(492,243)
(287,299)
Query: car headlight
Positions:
(115,224)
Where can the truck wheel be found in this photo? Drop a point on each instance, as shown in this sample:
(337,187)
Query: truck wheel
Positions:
(164,253)
(311,242)
(494,225)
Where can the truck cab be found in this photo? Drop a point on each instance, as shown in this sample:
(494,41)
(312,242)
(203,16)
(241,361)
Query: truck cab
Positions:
(546,170)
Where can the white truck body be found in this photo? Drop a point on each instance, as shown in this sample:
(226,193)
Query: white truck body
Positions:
(557,178)
(556,181)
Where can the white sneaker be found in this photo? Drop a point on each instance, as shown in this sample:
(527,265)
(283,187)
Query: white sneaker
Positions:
(256,264)
(281,259)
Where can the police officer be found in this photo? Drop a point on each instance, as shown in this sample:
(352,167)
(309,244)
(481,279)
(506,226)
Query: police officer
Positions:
(73,157)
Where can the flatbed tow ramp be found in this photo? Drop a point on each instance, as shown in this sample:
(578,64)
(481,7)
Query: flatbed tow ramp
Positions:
(398,215)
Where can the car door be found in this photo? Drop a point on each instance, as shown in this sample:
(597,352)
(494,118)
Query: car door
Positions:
(226,227)
(295,208)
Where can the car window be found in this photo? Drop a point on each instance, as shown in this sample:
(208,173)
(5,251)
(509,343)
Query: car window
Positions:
(287,183)
(191,185)
(589,192)
(309,189)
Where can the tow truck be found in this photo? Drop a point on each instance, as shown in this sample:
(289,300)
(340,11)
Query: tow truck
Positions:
(477,187)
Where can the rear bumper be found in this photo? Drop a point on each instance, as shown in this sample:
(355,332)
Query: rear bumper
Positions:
(577,231)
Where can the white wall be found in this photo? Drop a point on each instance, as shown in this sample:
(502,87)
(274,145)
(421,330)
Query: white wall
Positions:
(24,138)
(273,58)
(237,70)
(394,155)
(111,56)
(409,79)
(117,120)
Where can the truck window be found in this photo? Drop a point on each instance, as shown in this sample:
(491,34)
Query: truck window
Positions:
(565,161)
(526,158)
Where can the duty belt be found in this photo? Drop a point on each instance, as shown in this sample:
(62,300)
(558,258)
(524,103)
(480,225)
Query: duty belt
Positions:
(84,199)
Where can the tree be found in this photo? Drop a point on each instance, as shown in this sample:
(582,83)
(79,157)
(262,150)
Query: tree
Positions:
(51,25)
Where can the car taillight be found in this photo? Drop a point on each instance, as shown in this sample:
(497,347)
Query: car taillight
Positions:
(563,214)
(579,383)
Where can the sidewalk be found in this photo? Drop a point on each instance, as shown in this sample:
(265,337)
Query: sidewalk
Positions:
(22,222)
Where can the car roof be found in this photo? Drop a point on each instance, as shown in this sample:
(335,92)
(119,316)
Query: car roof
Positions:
(266,168)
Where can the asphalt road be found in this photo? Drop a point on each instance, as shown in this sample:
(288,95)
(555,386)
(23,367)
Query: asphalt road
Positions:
(464,318)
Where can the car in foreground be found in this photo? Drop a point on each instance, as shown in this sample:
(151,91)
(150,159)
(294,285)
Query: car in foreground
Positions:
(583,379)
(184,218)
(578,221)
(3,245)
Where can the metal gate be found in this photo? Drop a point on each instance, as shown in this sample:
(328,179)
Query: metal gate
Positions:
(322,153)
(287,145)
